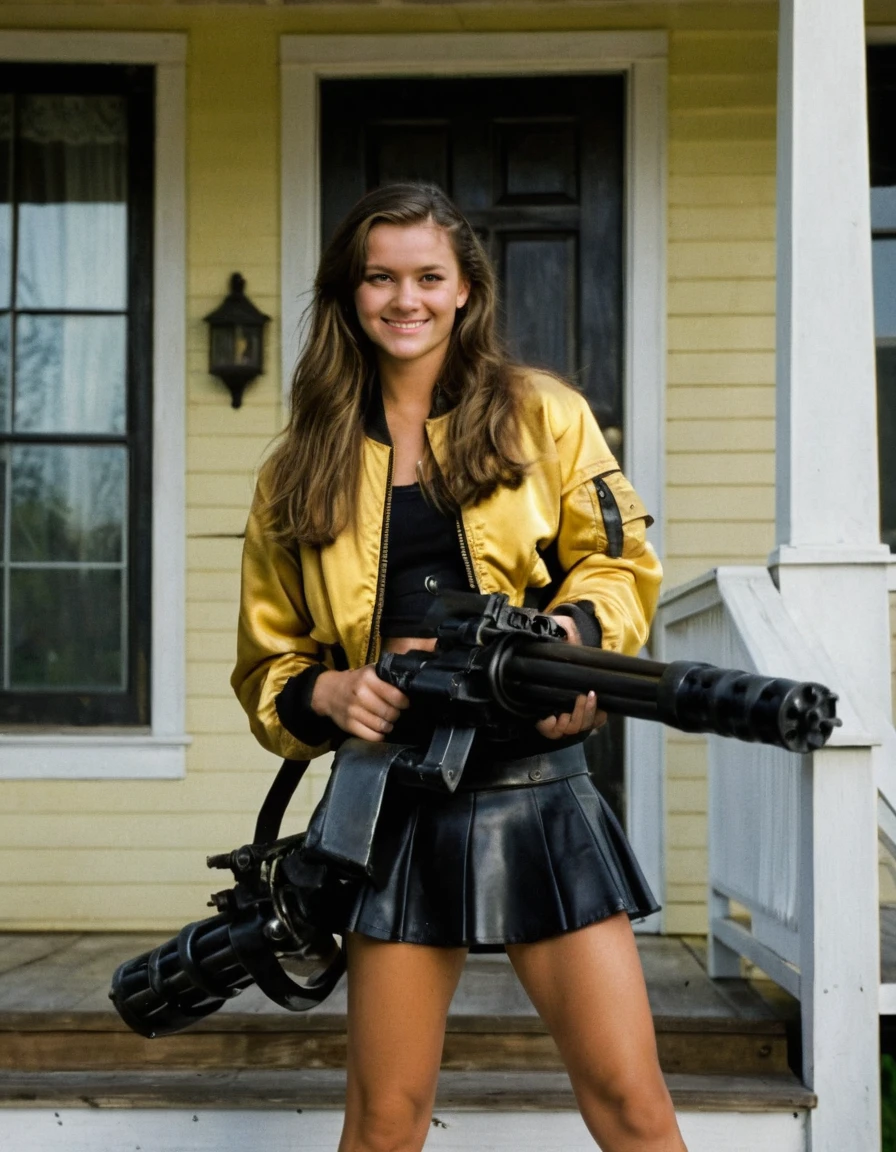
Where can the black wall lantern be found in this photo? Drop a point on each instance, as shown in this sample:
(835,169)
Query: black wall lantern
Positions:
(236,340)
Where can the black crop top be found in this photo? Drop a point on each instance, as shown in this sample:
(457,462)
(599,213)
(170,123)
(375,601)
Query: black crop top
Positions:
(423,542)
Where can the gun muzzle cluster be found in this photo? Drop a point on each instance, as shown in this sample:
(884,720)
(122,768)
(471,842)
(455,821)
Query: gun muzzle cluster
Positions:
(692,697)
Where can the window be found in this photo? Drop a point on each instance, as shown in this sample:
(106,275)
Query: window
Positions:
(882,144)
(75,415)
(73,522)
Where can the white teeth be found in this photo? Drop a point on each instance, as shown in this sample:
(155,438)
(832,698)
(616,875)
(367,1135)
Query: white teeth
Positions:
(410,324)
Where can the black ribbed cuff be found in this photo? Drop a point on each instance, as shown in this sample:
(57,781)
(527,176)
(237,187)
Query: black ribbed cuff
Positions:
(296,714)
(581,612)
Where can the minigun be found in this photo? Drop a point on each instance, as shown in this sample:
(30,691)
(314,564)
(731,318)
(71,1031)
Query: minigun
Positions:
(495,668)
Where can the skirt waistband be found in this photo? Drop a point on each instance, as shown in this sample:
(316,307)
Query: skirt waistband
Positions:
(525,771)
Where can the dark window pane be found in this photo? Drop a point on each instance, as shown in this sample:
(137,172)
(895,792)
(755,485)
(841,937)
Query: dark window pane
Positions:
(4,371)
(70,374)
(66,629)
(886,432)
(68,504)
(6,113)
(72,187)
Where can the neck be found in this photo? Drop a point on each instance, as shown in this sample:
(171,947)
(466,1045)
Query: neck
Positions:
(409,384)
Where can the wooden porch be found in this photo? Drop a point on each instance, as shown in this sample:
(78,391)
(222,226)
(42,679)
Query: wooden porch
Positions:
(723,1044)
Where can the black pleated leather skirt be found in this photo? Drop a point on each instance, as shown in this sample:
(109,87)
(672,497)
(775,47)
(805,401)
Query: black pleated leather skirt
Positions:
(495,865)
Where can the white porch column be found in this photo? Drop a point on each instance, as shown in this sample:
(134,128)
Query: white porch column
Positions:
(826,416)
(829,563)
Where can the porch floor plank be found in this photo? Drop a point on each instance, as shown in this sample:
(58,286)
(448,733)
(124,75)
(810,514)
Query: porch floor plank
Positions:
(66,977)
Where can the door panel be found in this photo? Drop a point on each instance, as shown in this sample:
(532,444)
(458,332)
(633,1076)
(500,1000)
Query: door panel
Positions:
(537,167)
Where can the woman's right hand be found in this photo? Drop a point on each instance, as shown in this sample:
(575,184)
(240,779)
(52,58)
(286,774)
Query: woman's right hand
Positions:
(359,702)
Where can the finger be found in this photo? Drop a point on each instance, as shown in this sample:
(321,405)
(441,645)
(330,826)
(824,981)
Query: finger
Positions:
(600,718)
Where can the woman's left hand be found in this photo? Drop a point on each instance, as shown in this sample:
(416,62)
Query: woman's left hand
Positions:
(585,714)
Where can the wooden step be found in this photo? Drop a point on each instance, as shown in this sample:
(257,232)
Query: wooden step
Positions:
(325,1089)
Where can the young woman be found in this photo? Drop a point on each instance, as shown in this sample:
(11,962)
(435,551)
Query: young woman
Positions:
(416,449)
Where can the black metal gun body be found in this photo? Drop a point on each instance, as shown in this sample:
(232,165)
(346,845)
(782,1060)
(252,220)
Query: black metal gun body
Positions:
(498,667)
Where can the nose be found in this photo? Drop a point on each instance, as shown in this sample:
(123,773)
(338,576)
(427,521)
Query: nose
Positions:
(407,296)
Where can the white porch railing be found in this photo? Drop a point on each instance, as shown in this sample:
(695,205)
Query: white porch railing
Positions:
(792,839)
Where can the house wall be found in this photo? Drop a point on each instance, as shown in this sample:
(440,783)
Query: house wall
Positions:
(129,855)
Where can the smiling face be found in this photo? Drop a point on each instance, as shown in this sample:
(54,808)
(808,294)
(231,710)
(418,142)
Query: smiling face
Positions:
(410,293)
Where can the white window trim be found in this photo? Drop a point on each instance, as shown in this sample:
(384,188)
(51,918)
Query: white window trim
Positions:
(884,34)
(160,752)
(642,56)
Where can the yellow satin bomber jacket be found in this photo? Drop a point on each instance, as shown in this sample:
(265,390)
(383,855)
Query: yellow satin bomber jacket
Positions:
(297,604)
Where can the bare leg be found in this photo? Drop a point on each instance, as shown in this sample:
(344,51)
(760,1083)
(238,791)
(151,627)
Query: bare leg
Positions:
(398,997)
(589,989)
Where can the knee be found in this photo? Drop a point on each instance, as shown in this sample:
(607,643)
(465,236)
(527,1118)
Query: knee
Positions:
(390,1122)
(639,1108)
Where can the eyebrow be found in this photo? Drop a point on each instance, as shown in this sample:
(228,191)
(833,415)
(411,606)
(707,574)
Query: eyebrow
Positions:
(423,268)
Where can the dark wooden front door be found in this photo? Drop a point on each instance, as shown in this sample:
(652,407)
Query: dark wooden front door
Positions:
(537,167)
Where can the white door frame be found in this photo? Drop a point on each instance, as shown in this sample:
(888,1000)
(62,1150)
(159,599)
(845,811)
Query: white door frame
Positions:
(642,57)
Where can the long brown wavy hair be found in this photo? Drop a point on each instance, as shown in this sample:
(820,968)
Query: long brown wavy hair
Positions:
(311,499)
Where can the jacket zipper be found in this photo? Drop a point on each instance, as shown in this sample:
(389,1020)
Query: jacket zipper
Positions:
(465,552)
(381,574)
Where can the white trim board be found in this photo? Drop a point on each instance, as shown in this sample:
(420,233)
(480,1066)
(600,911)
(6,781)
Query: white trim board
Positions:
(160,752)
(312,1130)
(306,60)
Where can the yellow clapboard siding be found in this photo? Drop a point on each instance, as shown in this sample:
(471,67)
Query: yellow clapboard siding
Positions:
(721,191)
(189,828)
(685,894)
(738,222)
(721,297)
(214,554)
(721,333)
(210,521)
(685,919)
(222,586)
(732,368)
(136,866)
(224,421)
(130,907)
(702,260)
(215,714)
(687,796)
(680,570)
(721,157)
(220,490)
(719,540)
(722,53)
(710,402)
(731,435)
(715,468)
(747,124)
(208,791)
(687,865)
(746,90)
(211,645)
(721,502)
(204,452)
(211,615)
(686,830)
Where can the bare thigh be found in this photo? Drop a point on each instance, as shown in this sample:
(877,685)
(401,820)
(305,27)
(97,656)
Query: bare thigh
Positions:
(398,998)
(588,987)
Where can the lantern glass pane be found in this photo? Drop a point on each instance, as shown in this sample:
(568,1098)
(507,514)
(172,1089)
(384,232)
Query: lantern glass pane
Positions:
(247,347)
(222,346)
